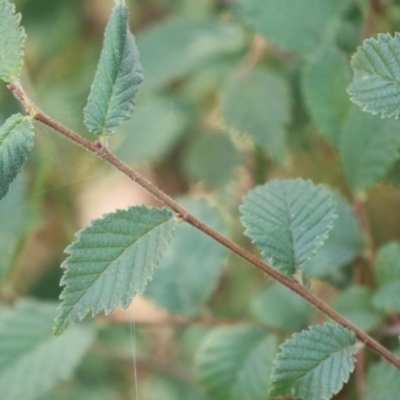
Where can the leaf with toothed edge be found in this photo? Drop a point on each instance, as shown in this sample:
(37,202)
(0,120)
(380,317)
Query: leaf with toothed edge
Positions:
(118,77)
(314,364)
(288,220)
(112,261)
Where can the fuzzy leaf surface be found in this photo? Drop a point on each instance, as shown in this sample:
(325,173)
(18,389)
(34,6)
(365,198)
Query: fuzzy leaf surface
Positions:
(259,105)
(112,261)
(12,41)
(376,82)
(235,363)
(119,74)
(288,220)
(16,143)
(369,146)
(32,360)
(314,364)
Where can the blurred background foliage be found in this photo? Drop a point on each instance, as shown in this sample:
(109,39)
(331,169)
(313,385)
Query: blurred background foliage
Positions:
(233,96)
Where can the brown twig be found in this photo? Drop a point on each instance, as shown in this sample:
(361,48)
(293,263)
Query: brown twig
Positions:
(101,151)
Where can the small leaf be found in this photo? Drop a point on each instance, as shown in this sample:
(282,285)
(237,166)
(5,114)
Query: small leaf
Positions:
(32,360)
(288,220)
(235,363)
(16,143)
(118,77)
(281,308)
(383,382)
(12,41)
(376,82)
(259,105)
(185,280)
(314,364)
(369,146)
(387,297)
(112,260)
(388,263)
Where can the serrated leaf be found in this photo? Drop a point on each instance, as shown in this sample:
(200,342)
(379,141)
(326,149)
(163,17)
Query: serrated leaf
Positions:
(281,308)
(325,78)
(32,360)
(314,364)
(369,146)
(185,280)
(112,261)
(376,81)
(383,382)
(118,77)
(16,143)
(174,48)
(258,105)
(288,220)
(295,26)
(235,363)
(12,41)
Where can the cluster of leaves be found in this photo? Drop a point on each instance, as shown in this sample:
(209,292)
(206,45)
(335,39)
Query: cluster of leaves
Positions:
(195,68)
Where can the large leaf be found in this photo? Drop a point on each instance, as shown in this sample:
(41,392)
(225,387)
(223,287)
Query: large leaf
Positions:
(314,364)
(288,220)
(279,307)
(191,267)
(326,76)
(369,146)
(32,360)
(112,260)
(12,41)
(176,47)
(383,382)
(376,82)
(297,26)
(258,104)
(235,363)
(16,143)
(118,77)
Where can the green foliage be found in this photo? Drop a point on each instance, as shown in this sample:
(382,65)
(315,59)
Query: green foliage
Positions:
(112,260)
(258,104)
(376,82)
(288,220)
(235,363)
(314,364)
(12,41)
(383,382)
(16,143)
(32,360)
(118,77)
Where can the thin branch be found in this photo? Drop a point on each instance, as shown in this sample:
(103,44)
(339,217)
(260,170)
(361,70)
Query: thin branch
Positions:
(101,151)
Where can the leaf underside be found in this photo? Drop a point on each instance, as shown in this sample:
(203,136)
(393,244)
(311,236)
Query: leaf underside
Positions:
(112,261)
(288,220)
(118,77)
(16,143)
(12,41)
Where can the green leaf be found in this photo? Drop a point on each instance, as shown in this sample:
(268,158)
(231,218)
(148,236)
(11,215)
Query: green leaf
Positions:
(314,364)
(297,26)
(12,41)
(258,104)
(185,280)
(325,78)
(369,146)
(118,77)
(383,382)
(388,263)
(178,46)
(222,159)
(281,308)
(112,260)
(156,128)
(235,363)
(355,304)
(387,297)
(32,360)
(16,143)
(376,82)
(345,242)
(288,220)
